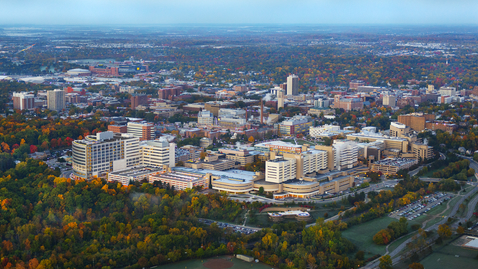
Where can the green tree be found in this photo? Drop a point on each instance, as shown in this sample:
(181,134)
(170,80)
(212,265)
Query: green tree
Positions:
(385,262)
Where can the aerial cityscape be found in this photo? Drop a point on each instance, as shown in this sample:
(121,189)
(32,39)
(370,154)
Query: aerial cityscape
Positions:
(215,142)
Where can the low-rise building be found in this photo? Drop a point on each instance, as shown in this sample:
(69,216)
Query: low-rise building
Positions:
(392,166)
(132,174)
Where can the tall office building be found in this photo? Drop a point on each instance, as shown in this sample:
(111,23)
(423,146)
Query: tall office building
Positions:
(280,170)
(56,99)
(138,100)
(158,153)
(104,152)
(142,130)
(389,100)
(23,100)
(280,99)
(430,89)
(205,118)
(345,154)
(292,85)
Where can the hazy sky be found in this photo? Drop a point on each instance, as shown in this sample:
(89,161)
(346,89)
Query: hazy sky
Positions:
(239,11)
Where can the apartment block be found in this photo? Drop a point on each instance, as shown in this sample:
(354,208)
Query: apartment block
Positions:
(142,130)
(56,99)
(23,100)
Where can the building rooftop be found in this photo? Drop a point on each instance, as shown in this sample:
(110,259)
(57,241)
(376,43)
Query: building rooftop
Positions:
(396,161)
(136,171)
(228,176)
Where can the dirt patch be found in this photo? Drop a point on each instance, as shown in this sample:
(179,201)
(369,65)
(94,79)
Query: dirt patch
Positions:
(218,264)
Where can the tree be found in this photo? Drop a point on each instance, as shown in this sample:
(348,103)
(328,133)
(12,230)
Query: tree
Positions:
(444,231)
(33,148)
(360,255)
(460,230)
(251,139)
(382,237)
(261,190)
(202,155)
(415,265)
(385,262)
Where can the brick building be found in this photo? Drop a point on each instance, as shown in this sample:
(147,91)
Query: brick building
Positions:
(104,70)
(167,92)
(138,100)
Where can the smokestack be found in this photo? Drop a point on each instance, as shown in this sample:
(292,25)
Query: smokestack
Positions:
(246,114)
(262,111)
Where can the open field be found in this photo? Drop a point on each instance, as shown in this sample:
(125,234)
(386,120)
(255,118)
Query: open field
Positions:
(361,235)
(445,257)
(198,264)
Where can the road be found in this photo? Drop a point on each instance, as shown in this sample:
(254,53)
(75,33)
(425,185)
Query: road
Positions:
(396,251)
(414,172)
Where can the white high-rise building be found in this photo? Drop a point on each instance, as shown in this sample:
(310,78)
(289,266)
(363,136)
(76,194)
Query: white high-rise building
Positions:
(104,152)
(314,161)
(158,153)
(292,85)
(345,154)
(205,118)
(142,130)
(280,98)
(389,100)
(56,99)
(280,170)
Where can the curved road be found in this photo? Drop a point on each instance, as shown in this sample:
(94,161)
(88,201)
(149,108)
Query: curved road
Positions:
(471,206)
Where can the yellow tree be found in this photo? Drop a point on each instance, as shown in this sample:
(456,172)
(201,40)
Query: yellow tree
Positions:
(444,231)
(251,139)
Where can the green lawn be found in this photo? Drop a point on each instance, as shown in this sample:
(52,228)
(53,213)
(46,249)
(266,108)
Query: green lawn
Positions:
(198,264)
(398,242)
(362,235)
(444,257)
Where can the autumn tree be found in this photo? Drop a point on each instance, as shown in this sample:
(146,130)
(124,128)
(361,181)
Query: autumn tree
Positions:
(251,139)
(444,231)
(385,262)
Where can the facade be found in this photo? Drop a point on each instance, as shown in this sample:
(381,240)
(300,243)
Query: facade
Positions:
(205,118)
(295,125)
(158,153)
(56,99)
(398,143)
(280,170)
(345,154)
(348,104)
(292,85)
(392,166)
(241,156)
(354,84)
(416,121)
(104,70)
(142,130)
(422,151)
(389,100)
(133,174)
(104,152)
(122,129)
(128,89)
(280,99)
(399,129)
(447,91)
(138,100)
(23,100)
(430,89)
(169,92)
(181,180)
(322,103)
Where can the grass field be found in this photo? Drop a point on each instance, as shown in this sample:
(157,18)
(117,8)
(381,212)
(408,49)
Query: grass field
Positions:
(198,264)
(444,257)
(398,242)
(362,235)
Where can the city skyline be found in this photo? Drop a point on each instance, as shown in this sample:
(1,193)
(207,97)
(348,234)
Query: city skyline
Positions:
(88,12)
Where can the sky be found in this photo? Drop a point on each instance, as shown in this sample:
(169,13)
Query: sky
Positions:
(130,12)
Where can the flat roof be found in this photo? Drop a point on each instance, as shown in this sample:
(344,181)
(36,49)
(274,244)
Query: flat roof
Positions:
(244,176)
(137,171)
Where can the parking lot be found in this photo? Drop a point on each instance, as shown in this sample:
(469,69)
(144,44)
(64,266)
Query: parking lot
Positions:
(421,206)
(235,228)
